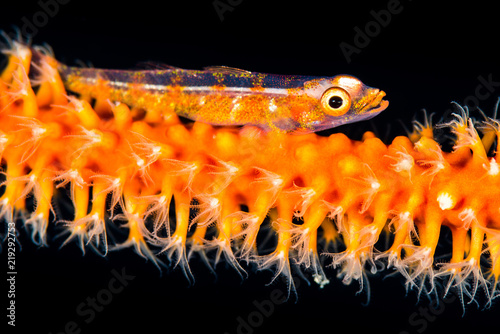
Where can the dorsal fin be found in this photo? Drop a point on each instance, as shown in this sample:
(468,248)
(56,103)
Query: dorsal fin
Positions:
(152,65)
(227,70)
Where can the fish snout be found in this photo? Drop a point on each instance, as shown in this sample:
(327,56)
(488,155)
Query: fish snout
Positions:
(374,102)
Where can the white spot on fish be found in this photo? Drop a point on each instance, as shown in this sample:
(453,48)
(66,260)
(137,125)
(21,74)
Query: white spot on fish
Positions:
(234,109)
(272,106)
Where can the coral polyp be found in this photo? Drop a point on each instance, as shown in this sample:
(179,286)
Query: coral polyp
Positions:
(180,189)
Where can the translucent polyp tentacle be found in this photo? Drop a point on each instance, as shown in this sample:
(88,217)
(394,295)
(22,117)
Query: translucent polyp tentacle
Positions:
(51,90)
(279,260)
(111,185)
(245,225)
(20,90)
(467,137)
(185,171)
(315,265)
(159,206)
(359,239)
(89,229)
(490,128)
(493,242)
(6,213)
(15,184)
(434,160)
(474,257)
(83,111)
(97,228)
(405,231)
(15,77)
(422,130)
(306,196)
(304,239)
(175,246)
(72,177)
(404,162)
(272,185)
(417,266)
(95,225)
(335,213)
(77,226)
(5,141)
(19,54)
(197,244)
(381,208)
(138,234)
(308,257)
(225,173)
(461,271)
(145,153)
(223,242)
(39,219)
(301,234)
(370,186)
(209,210)
(33,133)
(465,276)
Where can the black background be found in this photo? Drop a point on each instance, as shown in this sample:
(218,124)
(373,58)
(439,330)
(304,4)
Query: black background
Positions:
(426,57)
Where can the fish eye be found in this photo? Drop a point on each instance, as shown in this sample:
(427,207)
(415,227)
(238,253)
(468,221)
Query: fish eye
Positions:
(335,101)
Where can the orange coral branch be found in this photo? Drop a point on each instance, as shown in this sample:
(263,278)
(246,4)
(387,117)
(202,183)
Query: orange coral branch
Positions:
(316,190)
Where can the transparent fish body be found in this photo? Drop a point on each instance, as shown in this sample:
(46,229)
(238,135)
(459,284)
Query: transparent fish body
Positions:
(228,96)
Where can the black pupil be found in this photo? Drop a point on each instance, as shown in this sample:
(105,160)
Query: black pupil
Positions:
(335,102)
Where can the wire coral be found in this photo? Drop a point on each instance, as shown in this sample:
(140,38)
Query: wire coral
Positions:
(185,189)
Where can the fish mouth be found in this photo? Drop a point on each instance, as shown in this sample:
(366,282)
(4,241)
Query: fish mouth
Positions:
(376,104)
